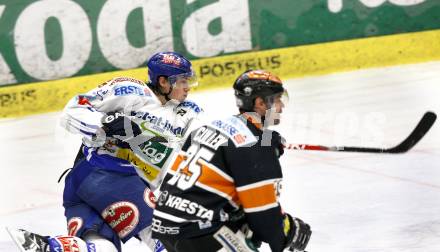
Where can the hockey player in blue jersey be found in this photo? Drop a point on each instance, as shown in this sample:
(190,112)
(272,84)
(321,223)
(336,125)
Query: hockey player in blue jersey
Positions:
(130,132)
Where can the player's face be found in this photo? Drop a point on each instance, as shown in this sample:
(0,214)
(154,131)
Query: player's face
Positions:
(180,90)
(277,109)
(278,103)
(181,85)
(274,107)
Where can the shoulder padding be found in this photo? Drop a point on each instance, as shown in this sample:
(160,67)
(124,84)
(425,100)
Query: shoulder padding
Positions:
(236,130)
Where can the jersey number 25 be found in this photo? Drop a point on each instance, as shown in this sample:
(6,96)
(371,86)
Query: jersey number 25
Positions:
(190,167)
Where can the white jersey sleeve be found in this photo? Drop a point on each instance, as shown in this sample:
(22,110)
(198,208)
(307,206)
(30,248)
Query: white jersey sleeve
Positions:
(83,113)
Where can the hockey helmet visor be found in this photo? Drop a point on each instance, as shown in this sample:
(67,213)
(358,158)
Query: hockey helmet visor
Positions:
(184,80)
(280,97)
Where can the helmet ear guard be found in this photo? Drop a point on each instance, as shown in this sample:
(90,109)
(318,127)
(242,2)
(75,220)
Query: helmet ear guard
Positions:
(244,101)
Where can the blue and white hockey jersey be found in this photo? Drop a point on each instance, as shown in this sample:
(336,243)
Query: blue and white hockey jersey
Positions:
(172,121)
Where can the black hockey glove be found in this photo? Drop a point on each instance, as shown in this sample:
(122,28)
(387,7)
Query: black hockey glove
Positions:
(297,233)
(118,125)
(278,142)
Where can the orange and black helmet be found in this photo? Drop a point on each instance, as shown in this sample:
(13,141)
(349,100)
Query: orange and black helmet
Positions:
(255,83)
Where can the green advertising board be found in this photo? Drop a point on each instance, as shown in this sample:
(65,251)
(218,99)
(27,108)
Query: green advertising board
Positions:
(53,39)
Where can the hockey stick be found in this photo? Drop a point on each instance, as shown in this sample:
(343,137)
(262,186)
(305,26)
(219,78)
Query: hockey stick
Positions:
(420,130)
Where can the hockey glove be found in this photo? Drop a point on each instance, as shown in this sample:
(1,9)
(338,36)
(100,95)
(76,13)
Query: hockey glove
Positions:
(278,142)
(297,233)
(119,126)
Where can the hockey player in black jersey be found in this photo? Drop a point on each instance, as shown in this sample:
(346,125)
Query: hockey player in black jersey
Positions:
(222,190)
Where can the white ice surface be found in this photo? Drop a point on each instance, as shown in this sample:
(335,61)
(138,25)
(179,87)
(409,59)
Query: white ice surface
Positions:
(354,202)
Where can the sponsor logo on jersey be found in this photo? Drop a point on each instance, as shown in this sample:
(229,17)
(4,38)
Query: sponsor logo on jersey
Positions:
(130,89)
(101,93)
(155,153)
(73,225)
(118,80)
(157,123)
(159,228)
(191,105)
(236,130)
(122,79)
(230,130)
(150,198)
(210,137)
(110,118)
(68,244)
(189,207)
(122,217)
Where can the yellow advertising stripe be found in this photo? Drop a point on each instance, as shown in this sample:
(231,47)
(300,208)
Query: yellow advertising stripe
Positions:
(326,58)
(219,72)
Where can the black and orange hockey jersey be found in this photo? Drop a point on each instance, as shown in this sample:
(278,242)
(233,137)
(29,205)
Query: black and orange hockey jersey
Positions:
(224,166)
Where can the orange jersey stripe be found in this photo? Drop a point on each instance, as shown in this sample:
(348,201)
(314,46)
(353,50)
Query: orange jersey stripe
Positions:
(209,177)
(258,196)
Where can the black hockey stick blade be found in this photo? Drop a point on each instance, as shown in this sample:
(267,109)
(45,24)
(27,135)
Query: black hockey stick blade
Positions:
(419,131)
